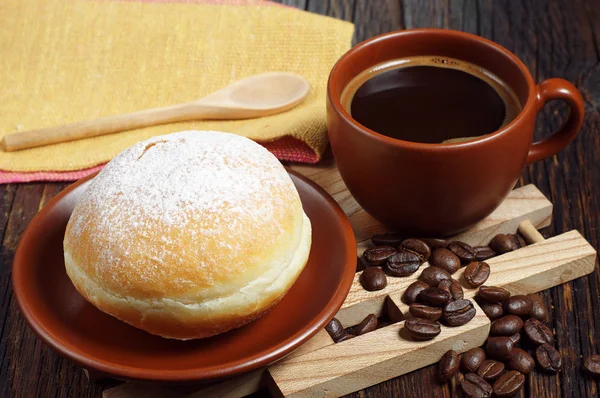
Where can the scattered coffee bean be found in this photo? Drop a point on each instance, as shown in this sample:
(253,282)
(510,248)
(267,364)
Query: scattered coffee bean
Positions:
(418,247)
(539,310)
(367,325)
(456,290)
(548,358)
(515,338)
(493,294)
(434,275)
(402,264)
(538,332)
(520,241)
(521,361)
(372,279)
(425,312)
(392,311)
(459,312)
(390,239)
(445,259)
(345,337)
(422,329)
(378,255)
(435,243)
(434,296)
(448,366)
(518,305)
(453,287)
(463,251)
(592,365)
(335,329)
(360,265)
(483,253)
(504,243)
(411,293)
(472,360)
(509,384)
(500,347)
(477,273)
(506,326)
(490,369)
(475,387)
(492,310)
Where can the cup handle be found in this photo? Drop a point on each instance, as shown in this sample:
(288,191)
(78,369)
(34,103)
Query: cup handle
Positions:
(557,89)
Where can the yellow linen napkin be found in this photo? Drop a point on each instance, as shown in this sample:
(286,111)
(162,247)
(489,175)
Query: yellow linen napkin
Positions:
(63,61)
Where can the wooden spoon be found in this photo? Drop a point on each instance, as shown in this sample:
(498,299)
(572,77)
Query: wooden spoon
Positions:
(255,96)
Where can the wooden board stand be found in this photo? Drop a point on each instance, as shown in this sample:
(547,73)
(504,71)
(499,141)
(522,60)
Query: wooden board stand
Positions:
(321,368)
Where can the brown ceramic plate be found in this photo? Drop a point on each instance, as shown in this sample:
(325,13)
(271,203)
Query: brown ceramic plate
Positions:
(74,328)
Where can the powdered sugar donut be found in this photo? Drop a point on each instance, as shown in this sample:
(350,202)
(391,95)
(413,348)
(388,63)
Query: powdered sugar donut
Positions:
(188,235)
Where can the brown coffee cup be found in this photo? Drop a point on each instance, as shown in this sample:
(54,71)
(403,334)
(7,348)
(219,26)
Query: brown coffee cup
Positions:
(441,189)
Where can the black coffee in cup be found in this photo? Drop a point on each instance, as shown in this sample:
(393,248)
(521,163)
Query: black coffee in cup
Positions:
(430,100)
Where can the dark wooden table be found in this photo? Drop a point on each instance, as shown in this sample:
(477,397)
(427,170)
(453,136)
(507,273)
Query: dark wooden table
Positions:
(559,38)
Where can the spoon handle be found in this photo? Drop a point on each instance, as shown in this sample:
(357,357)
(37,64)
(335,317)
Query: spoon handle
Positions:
(111,124)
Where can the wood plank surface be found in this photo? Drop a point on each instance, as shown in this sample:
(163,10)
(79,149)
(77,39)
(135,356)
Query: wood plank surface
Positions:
(554,38)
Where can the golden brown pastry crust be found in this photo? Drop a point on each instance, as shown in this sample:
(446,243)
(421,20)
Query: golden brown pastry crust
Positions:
(188,235)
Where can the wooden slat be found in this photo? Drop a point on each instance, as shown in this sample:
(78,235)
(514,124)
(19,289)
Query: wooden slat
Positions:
(370,359)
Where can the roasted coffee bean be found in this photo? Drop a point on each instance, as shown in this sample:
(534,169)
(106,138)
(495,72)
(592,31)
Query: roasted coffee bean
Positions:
(345,337)
(418,247)
(378,255)
(518,305)
(434,275)
(463,251)
(520,241)
(367,325)
(453,287)
(493,294)
(335,329)
(445,259)
(483,253)
(521,361)
(389,239)
(360,265)
(435,243)
(509,384)
(500,347)
(394,314)
(490,369)
(411,293)
(434,296)
(372,279)
(422,329)
(548,358)
(539,310)
(504,243)
(472,359)
(458,312)
(506,326)
(448,366)
(492,310)
(475,387)
(515,338)
(477,273)
(538,332)
(402,264)
(425,312)
(592,365)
